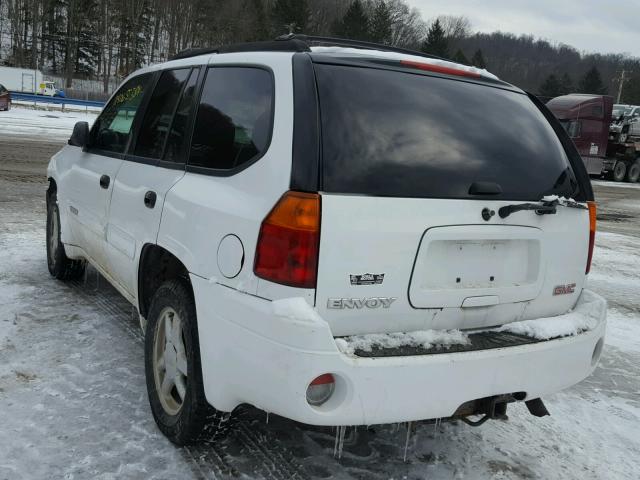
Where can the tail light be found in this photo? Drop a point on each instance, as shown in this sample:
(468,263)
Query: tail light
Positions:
(592,232)
(289,241)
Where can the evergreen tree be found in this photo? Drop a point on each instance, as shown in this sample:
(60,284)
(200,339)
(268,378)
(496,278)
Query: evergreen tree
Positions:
(566,84)
(290,15)
(592,82)
(631,90)
(355,23)
(258,24)
(381,23)
(436,42)
(478,60)
(550,87)
(460,57)
(53,36)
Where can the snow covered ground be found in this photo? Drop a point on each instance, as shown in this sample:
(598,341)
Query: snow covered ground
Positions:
(73,401)
(41,124)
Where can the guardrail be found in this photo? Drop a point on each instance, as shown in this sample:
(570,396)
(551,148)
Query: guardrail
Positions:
(29,97)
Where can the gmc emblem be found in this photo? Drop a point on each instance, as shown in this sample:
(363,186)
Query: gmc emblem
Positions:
(564,289)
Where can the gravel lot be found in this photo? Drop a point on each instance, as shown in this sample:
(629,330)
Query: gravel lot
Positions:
(73,402)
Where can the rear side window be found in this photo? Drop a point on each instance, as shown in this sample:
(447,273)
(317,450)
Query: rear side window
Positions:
(398,134)
(234,119)
(159,113)
(2,89)
(112,129)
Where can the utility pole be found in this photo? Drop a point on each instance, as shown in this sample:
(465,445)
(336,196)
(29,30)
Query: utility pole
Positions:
(620,87)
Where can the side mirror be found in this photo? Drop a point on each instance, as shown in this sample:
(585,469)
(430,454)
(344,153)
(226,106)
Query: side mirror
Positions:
(80,135)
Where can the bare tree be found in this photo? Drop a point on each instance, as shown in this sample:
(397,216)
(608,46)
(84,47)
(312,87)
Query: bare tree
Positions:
(408,27)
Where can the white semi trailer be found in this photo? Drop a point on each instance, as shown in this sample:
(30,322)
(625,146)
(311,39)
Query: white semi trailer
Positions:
(22,80)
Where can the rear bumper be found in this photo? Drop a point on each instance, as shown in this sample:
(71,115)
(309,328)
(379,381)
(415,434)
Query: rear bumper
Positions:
(251,355)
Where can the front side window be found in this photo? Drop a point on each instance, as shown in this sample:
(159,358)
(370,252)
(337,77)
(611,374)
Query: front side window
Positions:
(234,119)
(112,129)
(2,89)
(159,113)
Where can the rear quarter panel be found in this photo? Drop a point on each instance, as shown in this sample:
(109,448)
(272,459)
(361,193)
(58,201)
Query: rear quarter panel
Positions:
(201,210)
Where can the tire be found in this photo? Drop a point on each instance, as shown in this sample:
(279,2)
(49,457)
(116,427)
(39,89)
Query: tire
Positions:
(619,171)
(180,410)
(633,172)
(60,266)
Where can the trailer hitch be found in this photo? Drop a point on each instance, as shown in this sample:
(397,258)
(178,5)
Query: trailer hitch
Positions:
(493,408)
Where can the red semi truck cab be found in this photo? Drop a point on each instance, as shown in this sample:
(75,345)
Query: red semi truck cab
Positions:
(586,118)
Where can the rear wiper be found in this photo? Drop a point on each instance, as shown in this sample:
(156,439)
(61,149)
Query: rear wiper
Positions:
(547,206)
(540,209)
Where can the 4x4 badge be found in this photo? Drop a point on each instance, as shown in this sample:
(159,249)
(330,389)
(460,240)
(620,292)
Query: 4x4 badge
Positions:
(367,279)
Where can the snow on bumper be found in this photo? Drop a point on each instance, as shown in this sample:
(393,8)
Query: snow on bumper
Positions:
(251,354)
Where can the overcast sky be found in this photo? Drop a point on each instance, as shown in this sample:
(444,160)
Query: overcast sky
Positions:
(588,25)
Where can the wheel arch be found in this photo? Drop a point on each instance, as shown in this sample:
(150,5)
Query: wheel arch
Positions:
(156,265)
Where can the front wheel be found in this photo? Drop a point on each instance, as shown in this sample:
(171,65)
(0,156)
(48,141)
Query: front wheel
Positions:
(60,266)
(173,370)
(633,172)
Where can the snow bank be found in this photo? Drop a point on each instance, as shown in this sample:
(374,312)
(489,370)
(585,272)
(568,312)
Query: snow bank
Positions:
(422,339)
(589,309)
(41,124)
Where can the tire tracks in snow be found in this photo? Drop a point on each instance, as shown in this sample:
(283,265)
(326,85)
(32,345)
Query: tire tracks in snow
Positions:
(270,459)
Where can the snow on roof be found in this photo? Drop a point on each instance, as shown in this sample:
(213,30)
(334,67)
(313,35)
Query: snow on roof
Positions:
(404,56)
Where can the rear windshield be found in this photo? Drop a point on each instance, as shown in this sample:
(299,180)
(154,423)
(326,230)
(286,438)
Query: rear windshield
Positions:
(399,134)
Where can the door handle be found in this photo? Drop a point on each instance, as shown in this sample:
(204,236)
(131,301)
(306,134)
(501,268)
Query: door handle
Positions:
(105,181)
(150,199)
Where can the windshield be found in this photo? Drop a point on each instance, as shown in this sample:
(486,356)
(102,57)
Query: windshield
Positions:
(398,134)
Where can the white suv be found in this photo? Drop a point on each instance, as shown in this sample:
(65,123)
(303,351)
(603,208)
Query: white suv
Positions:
(341,235)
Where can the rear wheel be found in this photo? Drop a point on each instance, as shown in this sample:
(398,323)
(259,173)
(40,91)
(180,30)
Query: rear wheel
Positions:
(173,370)
(60,266)
(619,171)
(633,172)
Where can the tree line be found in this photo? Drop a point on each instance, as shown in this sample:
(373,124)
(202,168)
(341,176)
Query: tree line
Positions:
(101,39)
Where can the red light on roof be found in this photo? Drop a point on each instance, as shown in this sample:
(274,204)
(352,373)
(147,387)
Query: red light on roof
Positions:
(439,69)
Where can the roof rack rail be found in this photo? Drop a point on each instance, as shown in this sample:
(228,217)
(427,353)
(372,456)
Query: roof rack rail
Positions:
(280,45)
(297,43)
(344,42)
